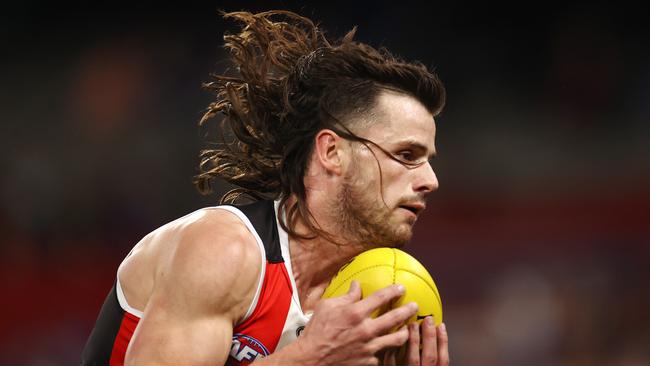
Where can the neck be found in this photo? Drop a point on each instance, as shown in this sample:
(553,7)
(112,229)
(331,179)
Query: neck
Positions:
(315,261)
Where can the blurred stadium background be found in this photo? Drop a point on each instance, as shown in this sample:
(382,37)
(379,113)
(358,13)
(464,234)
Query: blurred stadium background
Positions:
(539,237)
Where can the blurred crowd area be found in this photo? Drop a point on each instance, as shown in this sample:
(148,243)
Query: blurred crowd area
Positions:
(538,239)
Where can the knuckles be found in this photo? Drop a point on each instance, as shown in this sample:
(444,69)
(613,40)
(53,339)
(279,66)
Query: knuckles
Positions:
(365,331)
(354,316)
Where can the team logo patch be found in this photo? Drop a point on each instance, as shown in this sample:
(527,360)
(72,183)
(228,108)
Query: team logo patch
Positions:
(246,348)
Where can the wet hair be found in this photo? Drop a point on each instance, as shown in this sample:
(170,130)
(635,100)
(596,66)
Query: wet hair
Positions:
(291,82)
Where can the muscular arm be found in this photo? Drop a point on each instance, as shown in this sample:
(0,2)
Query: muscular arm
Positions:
(205,278)
(204,281)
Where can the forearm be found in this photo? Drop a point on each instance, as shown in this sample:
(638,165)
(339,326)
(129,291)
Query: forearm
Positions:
(292,354)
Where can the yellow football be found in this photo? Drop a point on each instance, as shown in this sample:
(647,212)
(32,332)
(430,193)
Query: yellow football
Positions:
(381,267)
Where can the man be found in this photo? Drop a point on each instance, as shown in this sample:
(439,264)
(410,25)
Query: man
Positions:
(334,139)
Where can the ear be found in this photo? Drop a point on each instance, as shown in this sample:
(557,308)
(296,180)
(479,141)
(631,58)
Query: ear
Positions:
(329,151)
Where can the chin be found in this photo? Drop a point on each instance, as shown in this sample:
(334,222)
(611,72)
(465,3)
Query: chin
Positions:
(402,236)
(395,236)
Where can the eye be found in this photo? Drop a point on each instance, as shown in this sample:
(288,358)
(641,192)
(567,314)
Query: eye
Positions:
(406,155)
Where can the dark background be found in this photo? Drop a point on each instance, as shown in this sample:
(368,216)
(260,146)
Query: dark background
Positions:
(538,239)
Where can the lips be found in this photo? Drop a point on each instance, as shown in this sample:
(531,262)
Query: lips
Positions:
(415,207)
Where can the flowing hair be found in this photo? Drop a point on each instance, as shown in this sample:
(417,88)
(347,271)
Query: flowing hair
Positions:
(291,82)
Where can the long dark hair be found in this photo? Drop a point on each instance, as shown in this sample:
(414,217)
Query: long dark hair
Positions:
(291,82)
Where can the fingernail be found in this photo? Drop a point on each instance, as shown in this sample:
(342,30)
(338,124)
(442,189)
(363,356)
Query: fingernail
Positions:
(414,305)
(401,289)
(443,327)
(429,320)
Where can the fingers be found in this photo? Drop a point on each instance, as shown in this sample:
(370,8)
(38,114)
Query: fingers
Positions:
(443,345)
(389,357)
(381,297)
(394,318)
(435,344)
(390,340)
(430,342)
(413,349)
(353,294)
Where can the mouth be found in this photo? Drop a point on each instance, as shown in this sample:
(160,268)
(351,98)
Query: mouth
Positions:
(414,207)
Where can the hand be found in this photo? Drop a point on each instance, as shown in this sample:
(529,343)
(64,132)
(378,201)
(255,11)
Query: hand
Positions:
(435,346)
(341,331)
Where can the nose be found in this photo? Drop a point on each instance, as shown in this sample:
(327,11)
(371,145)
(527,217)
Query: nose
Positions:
(426,180)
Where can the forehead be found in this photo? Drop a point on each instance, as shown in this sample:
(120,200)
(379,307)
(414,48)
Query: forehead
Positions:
(399,118)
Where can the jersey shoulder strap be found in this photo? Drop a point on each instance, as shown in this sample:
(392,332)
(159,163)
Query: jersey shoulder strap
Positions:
(262,216)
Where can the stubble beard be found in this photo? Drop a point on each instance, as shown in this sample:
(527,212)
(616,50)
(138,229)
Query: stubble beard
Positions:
(365,219)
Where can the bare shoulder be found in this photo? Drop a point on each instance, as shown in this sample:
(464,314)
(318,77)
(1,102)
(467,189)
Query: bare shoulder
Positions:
(209,257)
(209,234)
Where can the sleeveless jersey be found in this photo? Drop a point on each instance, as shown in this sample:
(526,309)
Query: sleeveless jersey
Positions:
(274,317)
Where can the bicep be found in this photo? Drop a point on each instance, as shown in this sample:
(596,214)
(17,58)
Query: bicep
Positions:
(202,286)
(168,338)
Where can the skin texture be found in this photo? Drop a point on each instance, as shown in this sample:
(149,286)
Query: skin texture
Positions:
(196,288)
(381,221)
(195,277)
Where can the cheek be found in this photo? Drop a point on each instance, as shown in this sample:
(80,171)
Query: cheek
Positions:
(360,178)
(389,181)
(364,172)
(391,195)
(396,185)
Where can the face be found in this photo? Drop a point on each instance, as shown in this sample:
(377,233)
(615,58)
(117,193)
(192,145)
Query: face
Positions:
(384,190)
